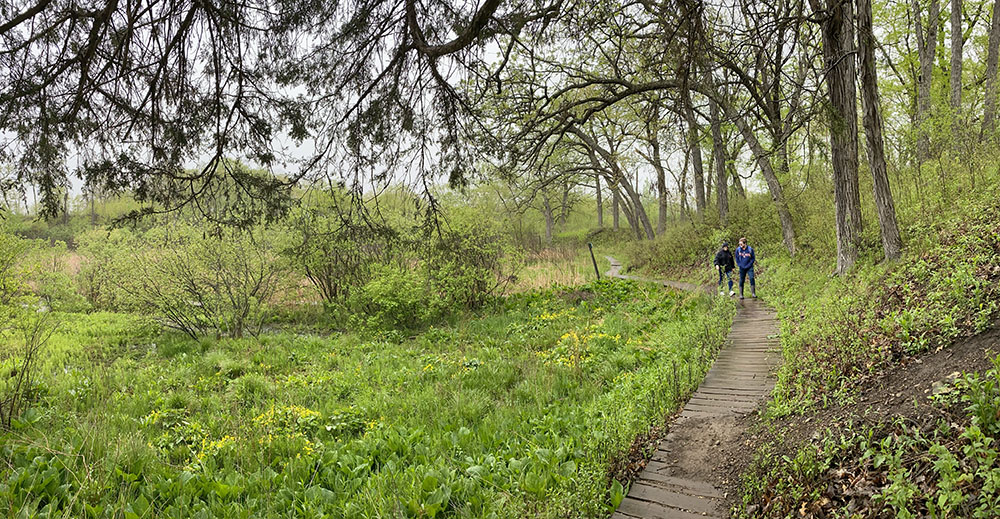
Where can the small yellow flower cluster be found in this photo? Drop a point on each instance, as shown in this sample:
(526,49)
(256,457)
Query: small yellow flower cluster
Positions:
(546,316)
(150,419)
(212,447)
(276,415)
(625,375)
(429,367)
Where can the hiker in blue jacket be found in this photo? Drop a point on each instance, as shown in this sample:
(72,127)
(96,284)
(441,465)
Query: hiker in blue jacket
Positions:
(745,260)
(724,262)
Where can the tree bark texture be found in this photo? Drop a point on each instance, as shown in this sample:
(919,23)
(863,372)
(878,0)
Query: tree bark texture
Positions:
(872,118)
(955,82)
(695,150)
(926,49)
(721,171)
(990,103)
(837,28)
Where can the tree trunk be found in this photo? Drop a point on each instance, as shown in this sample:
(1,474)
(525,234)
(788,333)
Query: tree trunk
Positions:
(549,219)
(600,202)
(661,183)
(891,242)
(564,208)
(955,82)
(990,103)
(735,175)
(695,150)
(718,151)
(838,42)
(620,179)
(614,207)
(926,49)
(763,159)
(708,178)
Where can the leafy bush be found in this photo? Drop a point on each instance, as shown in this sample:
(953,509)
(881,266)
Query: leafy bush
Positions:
(336,251)
(23,331)
(470,263)
(52,279)
(105,254)
(395,298)
(201,283)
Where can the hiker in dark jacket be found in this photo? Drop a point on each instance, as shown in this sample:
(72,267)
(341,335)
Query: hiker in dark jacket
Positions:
(745,259)
(724,262)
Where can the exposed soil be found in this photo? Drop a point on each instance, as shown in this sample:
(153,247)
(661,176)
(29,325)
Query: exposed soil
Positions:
(899,392)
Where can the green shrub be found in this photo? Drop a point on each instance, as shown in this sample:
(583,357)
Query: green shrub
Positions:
(469,264)
(104,255)
(395,298)
(24,330)
(202,283)
(337,250)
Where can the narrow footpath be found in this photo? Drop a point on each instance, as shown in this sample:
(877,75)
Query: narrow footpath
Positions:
(681,479)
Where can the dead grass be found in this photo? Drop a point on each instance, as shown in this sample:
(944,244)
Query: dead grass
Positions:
(565,266)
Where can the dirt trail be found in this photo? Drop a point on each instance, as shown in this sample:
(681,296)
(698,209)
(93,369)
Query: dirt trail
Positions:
(682,479)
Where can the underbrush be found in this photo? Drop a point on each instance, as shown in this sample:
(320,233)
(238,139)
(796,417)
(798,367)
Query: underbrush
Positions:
(943,464)
(524,412)
(837,332)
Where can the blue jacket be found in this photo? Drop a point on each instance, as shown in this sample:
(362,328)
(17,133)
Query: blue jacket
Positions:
(744,257)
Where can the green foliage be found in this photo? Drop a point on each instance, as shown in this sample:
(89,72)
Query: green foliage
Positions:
(837,330)
(513,414)
(335,248)
(470,263)
(25,327)
(395,298)
(106,255)
(202,283)
(944,465)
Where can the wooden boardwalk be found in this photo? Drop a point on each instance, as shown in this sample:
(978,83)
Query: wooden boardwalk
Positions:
(679,482)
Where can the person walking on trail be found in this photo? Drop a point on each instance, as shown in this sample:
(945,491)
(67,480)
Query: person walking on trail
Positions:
(724,262)
(745,259)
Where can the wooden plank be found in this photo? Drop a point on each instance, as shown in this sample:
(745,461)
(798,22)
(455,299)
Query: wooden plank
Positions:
(645,509)
(688,486)
(673,499)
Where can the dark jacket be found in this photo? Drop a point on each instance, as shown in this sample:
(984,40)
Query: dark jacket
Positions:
(724,259)
(745,257)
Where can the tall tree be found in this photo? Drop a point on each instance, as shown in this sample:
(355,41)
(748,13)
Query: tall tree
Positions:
(694,148)
(993,48)
(836,22)
(926,49)
(721,172)
(871,108)
(955,80)
(600,201)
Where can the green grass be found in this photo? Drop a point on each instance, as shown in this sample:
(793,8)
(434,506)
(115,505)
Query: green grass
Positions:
(519,412)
